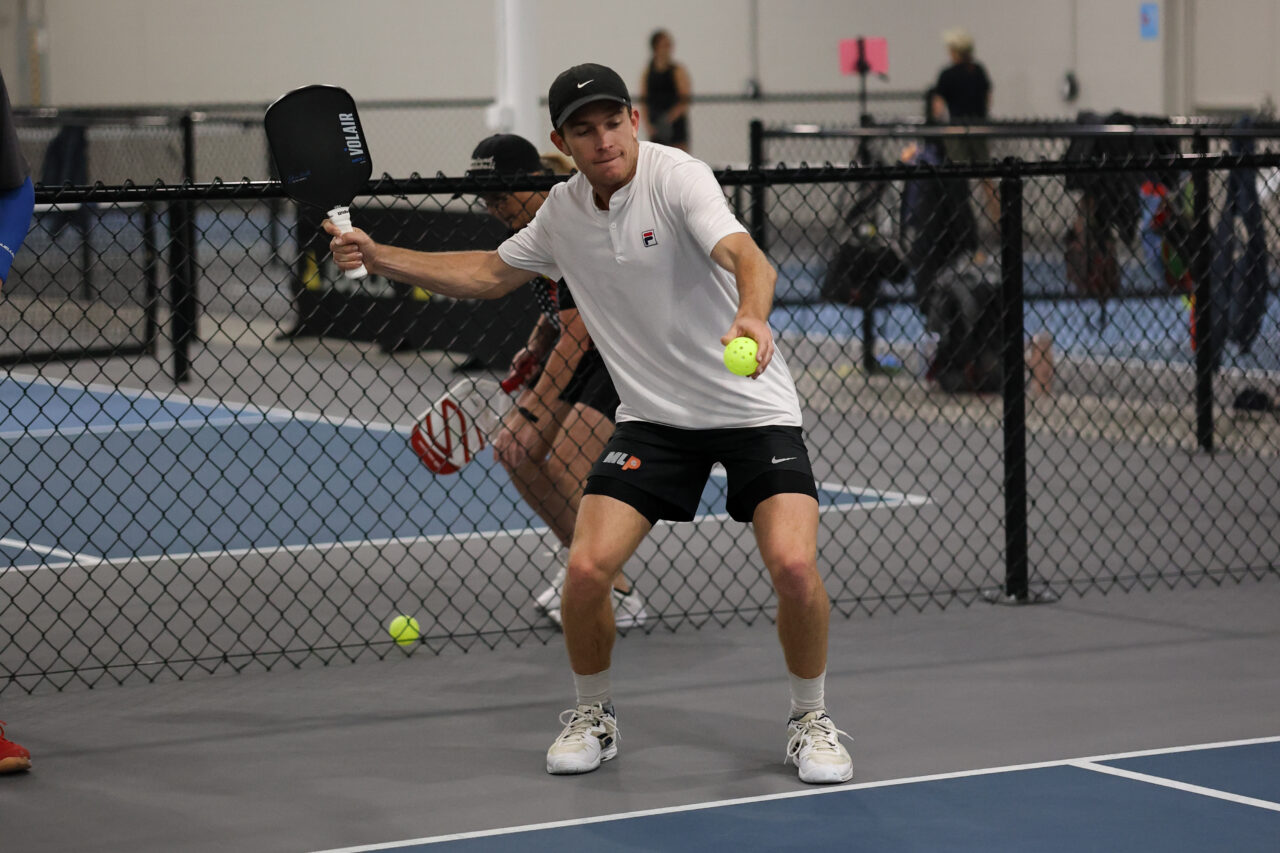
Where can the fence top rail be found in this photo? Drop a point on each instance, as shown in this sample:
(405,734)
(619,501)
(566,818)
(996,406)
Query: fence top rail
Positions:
(1010,167)
(909,130)
(387,186)
(159,117)
(215,109)
(162,115)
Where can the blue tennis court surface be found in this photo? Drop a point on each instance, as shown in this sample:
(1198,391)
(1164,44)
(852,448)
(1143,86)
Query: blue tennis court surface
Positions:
(118,476)
(1189,799)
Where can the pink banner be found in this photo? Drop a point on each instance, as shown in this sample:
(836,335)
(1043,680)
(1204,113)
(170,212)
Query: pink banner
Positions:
(876,51)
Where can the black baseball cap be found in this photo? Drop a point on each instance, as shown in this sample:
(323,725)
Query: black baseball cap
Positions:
(504,154)
(581,85)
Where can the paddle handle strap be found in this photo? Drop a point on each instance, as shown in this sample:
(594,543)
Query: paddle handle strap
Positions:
(341,216)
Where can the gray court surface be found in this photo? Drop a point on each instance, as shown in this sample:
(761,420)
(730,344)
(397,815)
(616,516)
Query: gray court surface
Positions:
(423,746)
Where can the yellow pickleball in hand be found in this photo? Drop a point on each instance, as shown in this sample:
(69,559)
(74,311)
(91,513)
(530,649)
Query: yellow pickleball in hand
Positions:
(740,356)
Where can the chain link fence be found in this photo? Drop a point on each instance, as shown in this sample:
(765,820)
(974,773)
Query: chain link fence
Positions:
(1009,409)
(208,142)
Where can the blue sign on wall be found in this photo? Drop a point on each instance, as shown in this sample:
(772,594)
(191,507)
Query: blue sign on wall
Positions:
(1149,21)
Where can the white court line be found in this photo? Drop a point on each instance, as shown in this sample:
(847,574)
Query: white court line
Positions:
(269,550)
(268,412)
(1175,784)
(811,792)
(144,426)
(41,549)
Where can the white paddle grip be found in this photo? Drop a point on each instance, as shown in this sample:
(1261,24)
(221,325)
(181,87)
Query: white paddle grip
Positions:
(341,217)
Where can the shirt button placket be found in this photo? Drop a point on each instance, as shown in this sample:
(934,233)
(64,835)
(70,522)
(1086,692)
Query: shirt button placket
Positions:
(617,244)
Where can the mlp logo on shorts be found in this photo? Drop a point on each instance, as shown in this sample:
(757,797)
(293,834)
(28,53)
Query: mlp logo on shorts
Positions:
(649,238)
(622,458)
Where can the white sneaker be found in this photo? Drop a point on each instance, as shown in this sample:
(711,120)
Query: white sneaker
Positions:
(815,748)
(590,736)
(549,598)
(628,610)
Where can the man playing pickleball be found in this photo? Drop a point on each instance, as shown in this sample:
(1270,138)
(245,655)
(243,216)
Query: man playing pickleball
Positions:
(664,276)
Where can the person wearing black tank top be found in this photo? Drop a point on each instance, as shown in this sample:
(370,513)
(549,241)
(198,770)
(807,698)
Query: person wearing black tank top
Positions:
(664,94)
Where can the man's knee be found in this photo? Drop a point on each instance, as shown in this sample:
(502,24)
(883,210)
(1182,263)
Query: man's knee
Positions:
(795,577)
(586,577)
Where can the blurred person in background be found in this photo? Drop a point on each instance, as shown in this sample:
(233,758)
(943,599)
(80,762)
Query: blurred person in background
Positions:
(962,95)
(665,91)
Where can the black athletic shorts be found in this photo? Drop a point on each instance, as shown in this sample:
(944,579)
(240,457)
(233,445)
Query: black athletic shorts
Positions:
(661,470)
(591,385)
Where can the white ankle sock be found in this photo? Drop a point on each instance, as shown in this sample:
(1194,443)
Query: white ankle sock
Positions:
(807,694)
(593,689)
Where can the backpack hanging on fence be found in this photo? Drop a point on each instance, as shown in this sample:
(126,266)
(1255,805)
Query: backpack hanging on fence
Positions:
(854,275)
(1092,268)
(937,216)
(66,162)
(1113,197)
(1239,270)
(1171,222)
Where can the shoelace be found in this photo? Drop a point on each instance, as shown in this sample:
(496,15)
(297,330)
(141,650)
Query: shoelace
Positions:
(579,723)
(821,735)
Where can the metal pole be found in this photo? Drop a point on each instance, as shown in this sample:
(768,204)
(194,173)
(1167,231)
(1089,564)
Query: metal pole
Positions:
(869,362)
(151,289)
(757,189)
(1015,421)
(1202,321)
(182,261)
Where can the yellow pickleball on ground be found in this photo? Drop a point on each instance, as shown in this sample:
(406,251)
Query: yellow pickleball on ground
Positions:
(740,356)
(404,630)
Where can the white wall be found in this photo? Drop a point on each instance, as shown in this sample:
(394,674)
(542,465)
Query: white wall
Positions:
(1232,60)
(10,46)
(184,51)
(1209,53)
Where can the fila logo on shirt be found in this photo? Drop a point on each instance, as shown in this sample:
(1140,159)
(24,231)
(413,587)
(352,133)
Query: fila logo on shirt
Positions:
(626,460)
(649,238)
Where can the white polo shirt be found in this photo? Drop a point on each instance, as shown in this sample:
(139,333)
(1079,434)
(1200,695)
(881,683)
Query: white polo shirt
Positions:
(653,300)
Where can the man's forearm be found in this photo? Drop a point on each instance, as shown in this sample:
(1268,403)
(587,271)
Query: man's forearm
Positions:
(461,275)
(755,276)
(756,281)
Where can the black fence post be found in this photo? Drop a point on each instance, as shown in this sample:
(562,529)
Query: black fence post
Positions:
(1202,320)
(869,361)
(182,260)
(150,273)
(1016,585)
(758,219)
(1015,415)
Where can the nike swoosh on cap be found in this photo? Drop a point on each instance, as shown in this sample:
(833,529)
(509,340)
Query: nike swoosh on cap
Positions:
(592,80)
